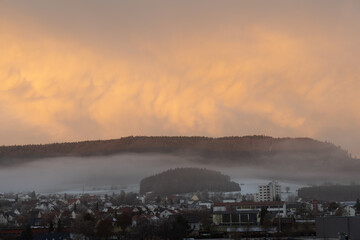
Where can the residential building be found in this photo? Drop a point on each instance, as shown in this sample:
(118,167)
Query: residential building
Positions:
(269,192)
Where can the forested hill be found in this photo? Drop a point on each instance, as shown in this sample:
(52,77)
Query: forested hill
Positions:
(186,180)
(225,147)
(331,193)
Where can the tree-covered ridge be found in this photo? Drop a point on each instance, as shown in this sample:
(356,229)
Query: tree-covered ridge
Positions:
(185,180)
(331,192)
(228,147)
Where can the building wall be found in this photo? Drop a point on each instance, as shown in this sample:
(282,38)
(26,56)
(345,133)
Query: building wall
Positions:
(236,219)
(268,192)
(330,227)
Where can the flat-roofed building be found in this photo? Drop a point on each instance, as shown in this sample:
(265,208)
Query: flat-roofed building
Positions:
(269,192)
(245,213)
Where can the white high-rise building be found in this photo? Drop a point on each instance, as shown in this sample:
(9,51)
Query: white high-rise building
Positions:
(268,192)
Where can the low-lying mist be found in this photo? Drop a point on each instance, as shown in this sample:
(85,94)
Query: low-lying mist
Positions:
(67,173)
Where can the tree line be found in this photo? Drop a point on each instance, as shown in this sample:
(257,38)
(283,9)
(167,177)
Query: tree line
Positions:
(331,193)
(206,146)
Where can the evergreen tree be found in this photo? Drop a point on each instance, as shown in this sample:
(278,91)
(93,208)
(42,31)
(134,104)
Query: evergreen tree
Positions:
(33,195)
(180,228)
(124,221)
(51,226)
(333,206)
(27,233)
(263,213)
(122,196)
(104,228)
(277,198)
(59,226)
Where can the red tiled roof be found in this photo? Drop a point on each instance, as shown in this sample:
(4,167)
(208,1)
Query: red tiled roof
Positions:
(172,197)
(71,200)
(249,204)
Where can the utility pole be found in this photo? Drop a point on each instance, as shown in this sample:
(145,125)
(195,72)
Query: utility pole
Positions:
(279,228)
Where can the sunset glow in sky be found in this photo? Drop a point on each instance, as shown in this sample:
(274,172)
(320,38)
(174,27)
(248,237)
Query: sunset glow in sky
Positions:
(82,70)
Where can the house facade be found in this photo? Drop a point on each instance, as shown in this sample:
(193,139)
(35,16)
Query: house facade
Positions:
(245,213)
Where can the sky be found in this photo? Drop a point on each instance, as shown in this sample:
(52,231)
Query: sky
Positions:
(83,70)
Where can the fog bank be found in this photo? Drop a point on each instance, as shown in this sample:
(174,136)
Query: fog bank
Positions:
(67,173)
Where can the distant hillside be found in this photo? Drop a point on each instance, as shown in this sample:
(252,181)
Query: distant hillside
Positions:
(296,155)
(185,180)
(226,146)
(331,193)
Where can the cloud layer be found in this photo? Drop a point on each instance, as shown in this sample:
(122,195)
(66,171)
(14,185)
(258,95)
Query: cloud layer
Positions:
(89,70)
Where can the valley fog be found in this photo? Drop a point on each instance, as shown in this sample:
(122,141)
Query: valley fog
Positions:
(68,173)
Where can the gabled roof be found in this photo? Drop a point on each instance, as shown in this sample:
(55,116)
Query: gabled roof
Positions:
(72,200)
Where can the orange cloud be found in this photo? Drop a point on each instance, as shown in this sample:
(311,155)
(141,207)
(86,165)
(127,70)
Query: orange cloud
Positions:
(233,80)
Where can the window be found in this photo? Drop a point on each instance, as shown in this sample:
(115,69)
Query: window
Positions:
(253,218)
(244,218)
(226,218)
(235,218)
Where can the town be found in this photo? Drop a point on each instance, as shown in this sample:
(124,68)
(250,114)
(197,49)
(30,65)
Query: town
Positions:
(202,215)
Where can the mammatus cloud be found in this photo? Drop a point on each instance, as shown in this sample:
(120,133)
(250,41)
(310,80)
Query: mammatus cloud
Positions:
(206,68)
